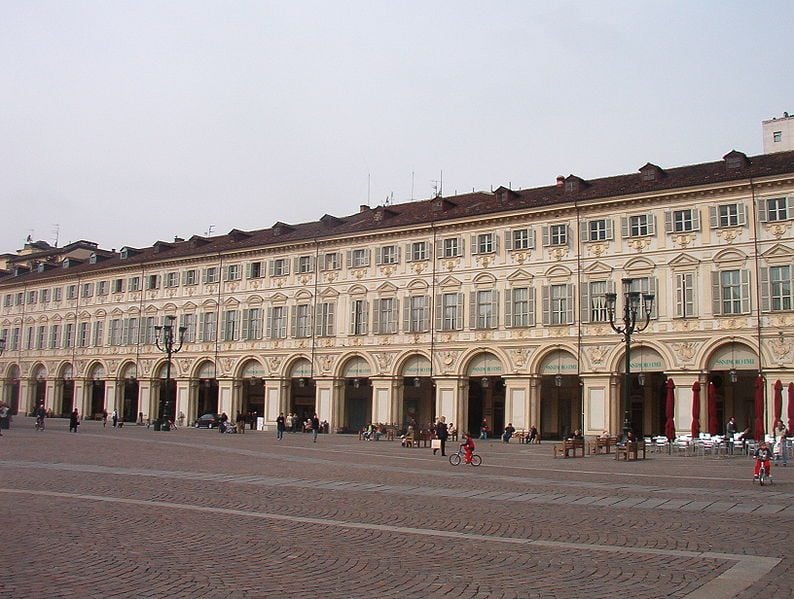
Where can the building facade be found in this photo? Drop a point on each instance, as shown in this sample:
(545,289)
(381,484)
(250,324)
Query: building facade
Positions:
(778,134)
(486,305)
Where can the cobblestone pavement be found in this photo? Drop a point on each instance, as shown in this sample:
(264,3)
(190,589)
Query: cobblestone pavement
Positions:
(193,513)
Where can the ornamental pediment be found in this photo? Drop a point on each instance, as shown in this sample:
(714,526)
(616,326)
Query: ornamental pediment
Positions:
(558,272)
(278,298)
(729,255)
(417,285)
(639,265)
(329,293)
(598,268)
(357,290)
(484,278)
(449,282)
(683,261)
(519,275)
(387,288)
(779,252)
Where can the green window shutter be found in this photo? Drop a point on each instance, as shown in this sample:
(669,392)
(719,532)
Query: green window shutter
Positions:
(716,293)
(766,293)
(745,291)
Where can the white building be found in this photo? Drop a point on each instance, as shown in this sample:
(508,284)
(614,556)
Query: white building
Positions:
(778,134)
(482,305)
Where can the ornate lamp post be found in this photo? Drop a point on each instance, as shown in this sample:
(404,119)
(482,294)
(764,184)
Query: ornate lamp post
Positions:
(164,339)
(631,305)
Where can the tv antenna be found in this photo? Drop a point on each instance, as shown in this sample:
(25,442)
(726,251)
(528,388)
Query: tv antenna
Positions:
(209,231)
(56,230)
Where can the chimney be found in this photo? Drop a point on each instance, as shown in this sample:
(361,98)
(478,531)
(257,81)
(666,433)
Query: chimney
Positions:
(560,180)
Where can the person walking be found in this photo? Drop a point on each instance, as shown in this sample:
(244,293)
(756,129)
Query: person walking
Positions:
(104,418)
(442,432)
(115,418)
(74,421)
(5,415)
(280,426)
(780,442)
(484,429)
(315,427)
(730,433)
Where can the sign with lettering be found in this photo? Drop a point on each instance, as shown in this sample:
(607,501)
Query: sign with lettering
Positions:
(559,362)
(734,355)
(485,365)
(644,359)
(416,366)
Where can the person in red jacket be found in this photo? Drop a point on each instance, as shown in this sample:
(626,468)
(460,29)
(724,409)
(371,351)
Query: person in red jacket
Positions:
(468,447)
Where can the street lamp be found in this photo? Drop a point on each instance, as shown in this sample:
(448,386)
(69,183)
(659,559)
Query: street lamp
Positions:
(164,339)
(631,305)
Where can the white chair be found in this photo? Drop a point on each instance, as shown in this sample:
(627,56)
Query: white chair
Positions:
(661,443)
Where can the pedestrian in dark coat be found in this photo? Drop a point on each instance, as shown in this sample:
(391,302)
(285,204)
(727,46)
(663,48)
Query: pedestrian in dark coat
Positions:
(442,432)
(74,421)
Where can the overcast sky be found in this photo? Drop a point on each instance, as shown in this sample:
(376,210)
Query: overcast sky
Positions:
(126,123)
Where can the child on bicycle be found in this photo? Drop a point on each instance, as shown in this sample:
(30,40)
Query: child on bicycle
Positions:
(468,447)
(762,455)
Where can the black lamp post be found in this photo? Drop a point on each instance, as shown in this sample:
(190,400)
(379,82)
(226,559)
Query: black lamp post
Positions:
(631,305)
(164,339)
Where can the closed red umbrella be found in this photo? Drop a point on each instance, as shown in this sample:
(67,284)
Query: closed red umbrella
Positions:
(778,401)
(790,409)
(696,409)
(712,405)
(669,425)
(758,425)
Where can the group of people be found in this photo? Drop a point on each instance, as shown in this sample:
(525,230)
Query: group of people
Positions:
(291,422)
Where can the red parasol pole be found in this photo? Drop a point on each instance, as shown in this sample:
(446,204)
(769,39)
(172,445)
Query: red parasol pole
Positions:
(669,426)
(790,409)
(695,409)
(778,401)
(758,425)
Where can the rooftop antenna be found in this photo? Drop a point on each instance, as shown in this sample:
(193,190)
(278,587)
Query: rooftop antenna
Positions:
(369,182)
(56,230)
(389,199)
(412,186)
(209,231)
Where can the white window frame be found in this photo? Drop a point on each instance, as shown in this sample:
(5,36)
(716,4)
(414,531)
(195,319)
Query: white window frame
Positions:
(520,307)
(325,319)
(558,304)
(484,307)
(276,322)
(730,292)
(685,294)
(386,312)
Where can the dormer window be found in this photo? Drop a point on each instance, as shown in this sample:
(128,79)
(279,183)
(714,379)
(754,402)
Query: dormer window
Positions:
(734,160)
(92,258)
(651,172)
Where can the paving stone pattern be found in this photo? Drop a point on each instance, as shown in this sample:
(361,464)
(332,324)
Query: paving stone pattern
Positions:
(193,513)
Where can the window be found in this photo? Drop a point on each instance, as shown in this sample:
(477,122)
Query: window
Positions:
(484,307)
(682,221)
(777,136)
(599,229)
(727,215)
(325,319)
(83,334)
(41,337)
(520,239)
(388,254)
(252,324)
(232,272)
(102,288)
(332,261)
(45,296)
(13,342)
(646,286)
(87,290)
(210,275)
(638,225)
(358,258)
(32,297)
(114,332)
(773,209)
(555,235)
(8,300)
(520,307)
(118,286)
(57,294)
(190,277)
(276,322)
(130,335)
(68,336)
(449,312)
(386,311)
(20,299)
(685,295)
(484,243)
(99,334)
(417,251)
(304,264)
(417,314)
(451,247)
(279,267)
(189,322)
(730,292)
(359,316)
(230,325)
(302,321)
(594,305)
(776,288)
(558,304)
(149,334)
(29,337)
(134,284)
(208,326)
(172,279)
(255,270)
(71,292)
